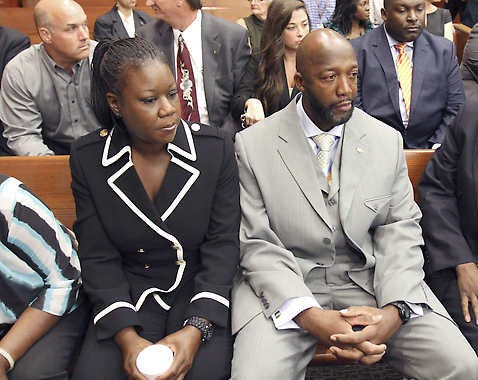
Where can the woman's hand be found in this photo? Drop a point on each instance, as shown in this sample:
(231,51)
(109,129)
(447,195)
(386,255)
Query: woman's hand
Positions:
(253,112)
(131,344)
(185,344)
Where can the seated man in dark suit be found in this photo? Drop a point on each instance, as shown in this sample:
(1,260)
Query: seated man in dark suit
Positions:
(409,79)
(120,22)
(214,55)
(448,198)
(12,42)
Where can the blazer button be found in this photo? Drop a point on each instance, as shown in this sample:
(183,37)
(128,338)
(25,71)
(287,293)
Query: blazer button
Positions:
(141,250)
(326,241)
(146,266)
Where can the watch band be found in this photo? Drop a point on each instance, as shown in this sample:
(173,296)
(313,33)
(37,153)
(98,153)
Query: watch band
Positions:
(404,311)
(206,327)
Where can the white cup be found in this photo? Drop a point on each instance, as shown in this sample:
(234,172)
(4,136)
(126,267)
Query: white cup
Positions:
(154,360)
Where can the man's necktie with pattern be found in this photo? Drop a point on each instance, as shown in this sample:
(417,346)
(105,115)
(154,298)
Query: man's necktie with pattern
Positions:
(404,74)
(186,84)
(324,141)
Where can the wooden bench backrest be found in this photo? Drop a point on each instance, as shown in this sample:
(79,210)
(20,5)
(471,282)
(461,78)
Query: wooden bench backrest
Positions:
(461,33)
(22,18)
(49,178)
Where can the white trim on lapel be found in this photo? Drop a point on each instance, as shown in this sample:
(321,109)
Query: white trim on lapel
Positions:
(194,172)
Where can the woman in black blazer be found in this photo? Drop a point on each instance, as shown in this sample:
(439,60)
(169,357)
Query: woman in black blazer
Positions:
(157,204)
(110,26)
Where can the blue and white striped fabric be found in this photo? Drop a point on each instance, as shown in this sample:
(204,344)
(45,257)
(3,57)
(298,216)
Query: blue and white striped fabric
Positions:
(320,12)
(39,266)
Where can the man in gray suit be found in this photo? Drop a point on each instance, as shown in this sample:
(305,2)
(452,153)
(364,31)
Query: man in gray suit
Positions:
(219,53)
(330,238)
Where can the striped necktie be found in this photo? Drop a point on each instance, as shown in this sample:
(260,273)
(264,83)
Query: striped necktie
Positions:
(404,74)
(325,142)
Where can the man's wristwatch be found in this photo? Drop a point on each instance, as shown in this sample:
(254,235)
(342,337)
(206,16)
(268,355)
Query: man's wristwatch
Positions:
(206,327)
(404,311)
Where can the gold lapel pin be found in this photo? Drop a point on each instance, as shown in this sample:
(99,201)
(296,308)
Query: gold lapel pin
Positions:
(103,133)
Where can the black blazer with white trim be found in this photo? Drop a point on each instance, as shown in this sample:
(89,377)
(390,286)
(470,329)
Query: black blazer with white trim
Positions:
(132,247)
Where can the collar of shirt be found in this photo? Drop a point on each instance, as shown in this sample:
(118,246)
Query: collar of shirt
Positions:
(392,42)
(311,130)
(192,34)
(56,67)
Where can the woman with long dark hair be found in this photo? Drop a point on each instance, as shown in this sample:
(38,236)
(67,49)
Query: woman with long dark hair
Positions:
(286,25)
(351,18)
(157,202)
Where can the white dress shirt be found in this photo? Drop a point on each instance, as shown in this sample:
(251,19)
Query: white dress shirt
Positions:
(128,22)
(193,39)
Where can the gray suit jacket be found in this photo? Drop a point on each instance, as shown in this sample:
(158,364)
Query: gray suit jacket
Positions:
(285,230)
(225,55)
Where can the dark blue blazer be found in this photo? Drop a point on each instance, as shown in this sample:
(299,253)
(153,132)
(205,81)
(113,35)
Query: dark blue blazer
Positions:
(437,89)
(110,26)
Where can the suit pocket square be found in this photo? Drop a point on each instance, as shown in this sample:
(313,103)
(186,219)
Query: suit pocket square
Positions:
(377,203)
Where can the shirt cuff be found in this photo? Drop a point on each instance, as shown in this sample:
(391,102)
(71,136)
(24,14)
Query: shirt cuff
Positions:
(283,317)
(417,310)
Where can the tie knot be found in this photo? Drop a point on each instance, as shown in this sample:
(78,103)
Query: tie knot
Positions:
(401,47)
(324,141)
(180,39)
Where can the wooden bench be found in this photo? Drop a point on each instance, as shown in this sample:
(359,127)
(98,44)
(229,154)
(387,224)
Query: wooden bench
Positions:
(49,178)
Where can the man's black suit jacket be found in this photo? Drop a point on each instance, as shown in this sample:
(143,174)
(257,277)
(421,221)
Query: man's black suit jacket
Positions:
(448,193)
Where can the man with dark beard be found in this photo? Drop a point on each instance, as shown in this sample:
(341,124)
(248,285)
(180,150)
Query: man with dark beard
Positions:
(330,238)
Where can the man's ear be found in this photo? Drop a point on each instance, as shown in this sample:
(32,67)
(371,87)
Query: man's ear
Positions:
(383,12)
(299,81)
(112,100)
(45,34)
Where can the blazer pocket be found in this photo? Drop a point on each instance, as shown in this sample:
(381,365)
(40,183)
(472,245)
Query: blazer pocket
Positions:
(377,203)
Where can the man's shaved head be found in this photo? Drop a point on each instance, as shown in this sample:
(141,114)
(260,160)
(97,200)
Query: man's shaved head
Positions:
(316,46)
(45,10)
(327,73)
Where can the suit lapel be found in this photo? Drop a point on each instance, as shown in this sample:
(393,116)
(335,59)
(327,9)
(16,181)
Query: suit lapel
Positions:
(353,162)
(126,183)
(420,54)
(381,50)
(211,49)
(298,158)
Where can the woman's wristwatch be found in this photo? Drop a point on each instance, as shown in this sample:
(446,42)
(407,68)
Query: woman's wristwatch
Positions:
(206,327)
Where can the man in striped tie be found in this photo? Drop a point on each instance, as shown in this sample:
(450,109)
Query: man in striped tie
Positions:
(409,78)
